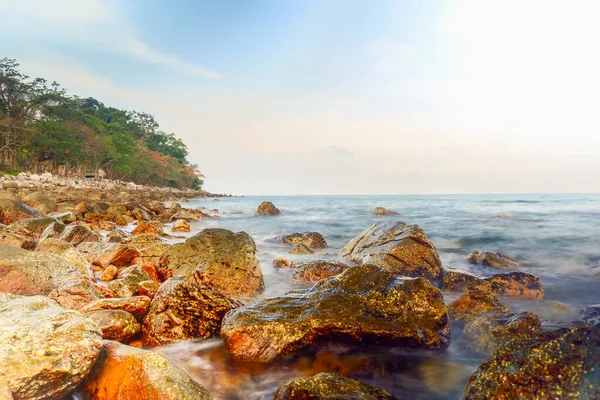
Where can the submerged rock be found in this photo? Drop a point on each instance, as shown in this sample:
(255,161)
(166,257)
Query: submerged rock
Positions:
(282,263)
(380,211)
(219,258)
(557,365)
(364,304)
(116,325)
(267,208)
(329,386)
(475,303)
(494,260)
(301,249)
(314,271)
(30,272)
(313,240)
(184,310)
(398,248)
(126,373)
(136,306)
(45,351)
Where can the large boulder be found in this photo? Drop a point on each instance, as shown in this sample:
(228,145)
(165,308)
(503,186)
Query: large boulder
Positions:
(136,306)
(328,386)
(267,208)
(116,325)
(64,249)
(30,272)
(36,227)
(399,248)
(313,271)
(364,304)
(126,373)
(494,260)
(562,364)
(12,210)
(184,310)
(313,240)
(219,258)
(41,202)
(45,351)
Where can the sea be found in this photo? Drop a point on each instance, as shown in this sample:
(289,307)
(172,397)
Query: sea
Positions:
(553,236)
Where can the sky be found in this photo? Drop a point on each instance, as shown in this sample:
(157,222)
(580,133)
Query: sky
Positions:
(340,96)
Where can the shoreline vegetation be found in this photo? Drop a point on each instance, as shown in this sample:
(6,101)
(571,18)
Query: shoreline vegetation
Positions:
(45,129)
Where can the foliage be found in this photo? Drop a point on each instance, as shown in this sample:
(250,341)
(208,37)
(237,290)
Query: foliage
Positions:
(40,124)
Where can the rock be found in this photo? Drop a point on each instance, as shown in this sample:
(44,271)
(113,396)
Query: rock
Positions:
(458,280)
(267,208)
(148,288)
(301,249)
(504,216)
(148,228)
(126,373)
(152,254)
(514,284)
(128,285)
(64,249)
(494,260)
(36,227)
(219,258)
(590,314)
(282,263)
(12,210)
(45,351)
(558,365)
(313,271)
(184,310)
(12,239)
(109,273)
(313,240)
(137,306)
(77,234)
(475,303)
(30,272)
(105,254)
(380,211)
(66,217)
(487,333)
(116,325)
(399,248)
(347,308)
(75,294)
(181,225)
(40,201)
(329,386)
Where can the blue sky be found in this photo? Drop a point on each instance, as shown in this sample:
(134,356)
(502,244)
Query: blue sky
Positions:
(340,96)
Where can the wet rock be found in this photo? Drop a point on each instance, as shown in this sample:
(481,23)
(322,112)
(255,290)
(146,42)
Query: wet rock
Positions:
(458,280)
(41,202)
(590,314)
(116,325)
(282,263)
(219,258)
(77,234)
(126,373)
(181,225)
(109,273)
(45,351)
(313,271)
(364,304)
(137,306)
(485,334)
(105,254)
(313,240)
(380,211)
(301,249)
(148,288)
(399,248)
(267,208)
(494,260)
(329,386)
(75,294)
(35,227)
(184,310)
(515,284)
(30,272)
(475,303)
(558,365)
(12,210)
(127,286)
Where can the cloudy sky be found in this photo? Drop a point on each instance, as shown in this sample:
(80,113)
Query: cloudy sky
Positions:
(340,96)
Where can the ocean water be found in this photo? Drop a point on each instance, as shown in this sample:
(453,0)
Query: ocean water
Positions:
(556,237)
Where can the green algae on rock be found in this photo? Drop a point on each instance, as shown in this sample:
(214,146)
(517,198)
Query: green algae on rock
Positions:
(45,351)
(329,386)
(399,248)
(364,304)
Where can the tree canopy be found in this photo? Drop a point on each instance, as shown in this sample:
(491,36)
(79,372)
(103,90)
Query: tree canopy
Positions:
(43,127)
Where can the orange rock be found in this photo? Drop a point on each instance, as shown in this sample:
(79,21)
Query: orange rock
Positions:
(148,228)
(152,270)
(109,273)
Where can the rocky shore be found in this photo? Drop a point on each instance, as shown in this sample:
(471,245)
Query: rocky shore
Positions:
(91,283)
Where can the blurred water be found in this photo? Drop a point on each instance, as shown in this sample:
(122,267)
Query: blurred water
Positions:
(556,237)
